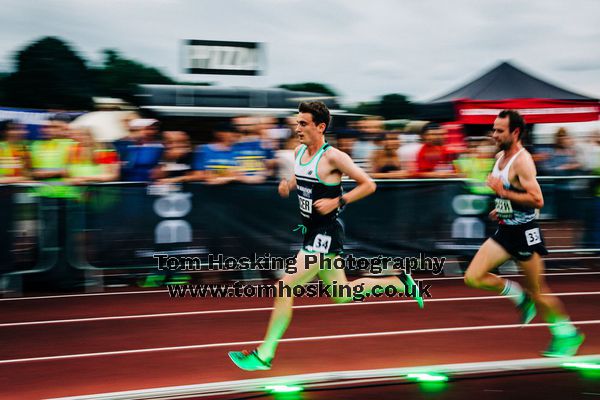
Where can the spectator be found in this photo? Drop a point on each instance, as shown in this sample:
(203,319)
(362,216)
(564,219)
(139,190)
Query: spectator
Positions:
(588,151)
(49,154)
(454,140)
(176,165)
(215,163)
(254,155)
(385,162)
(346,139)
(49,157)
(433,161)
(477,163)
(144,152)
(133,137)
(290,124)
(409,150)
(14,158)
(277,132)
(285,157)
(591,152)
(369,130)
(89,161)
(564,156)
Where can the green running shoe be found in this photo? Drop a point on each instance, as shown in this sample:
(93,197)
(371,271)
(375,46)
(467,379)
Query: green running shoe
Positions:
(249,360)
(408,281)
(564,346)
(152,281)
(527,309)
(179,280)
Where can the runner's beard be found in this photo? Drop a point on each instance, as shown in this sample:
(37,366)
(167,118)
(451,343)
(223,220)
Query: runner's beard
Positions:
(505,145)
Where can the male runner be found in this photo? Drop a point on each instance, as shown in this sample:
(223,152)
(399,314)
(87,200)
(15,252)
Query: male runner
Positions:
(518,236)
(318,174)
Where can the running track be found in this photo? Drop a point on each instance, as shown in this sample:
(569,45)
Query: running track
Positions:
(55,346)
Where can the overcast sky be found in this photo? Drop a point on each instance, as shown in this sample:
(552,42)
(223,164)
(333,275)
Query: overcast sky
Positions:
(363,49)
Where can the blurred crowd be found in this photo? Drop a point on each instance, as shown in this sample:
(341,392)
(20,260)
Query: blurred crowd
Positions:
(251,149)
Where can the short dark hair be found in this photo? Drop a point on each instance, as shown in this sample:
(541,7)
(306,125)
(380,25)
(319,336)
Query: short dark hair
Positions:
(7,124)
(318,110)
(430,126)
(225,126)
(515,120)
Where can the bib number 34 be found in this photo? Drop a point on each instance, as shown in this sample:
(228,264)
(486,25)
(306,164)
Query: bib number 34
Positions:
(322,243)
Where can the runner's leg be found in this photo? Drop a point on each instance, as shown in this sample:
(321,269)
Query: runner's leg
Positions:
(282,307)
(334,276)
(489,256)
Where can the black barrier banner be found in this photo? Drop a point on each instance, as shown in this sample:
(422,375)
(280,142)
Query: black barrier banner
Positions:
(6,221)
(138,222)
(19,228)
(127,225)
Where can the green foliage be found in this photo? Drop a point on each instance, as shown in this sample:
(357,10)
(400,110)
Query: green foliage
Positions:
(368,108)
(394,106)
(3,81)
(49,75)
(389,106)
(119,77)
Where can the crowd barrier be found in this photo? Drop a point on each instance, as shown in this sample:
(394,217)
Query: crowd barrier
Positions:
(74,237)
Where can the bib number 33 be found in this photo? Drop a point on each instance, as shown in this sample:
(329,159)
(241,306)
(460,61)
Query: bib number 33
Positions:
(533,236)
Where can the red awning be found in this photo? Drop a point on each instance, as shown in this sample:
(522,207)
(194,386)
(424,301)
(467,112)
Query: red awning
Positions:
(535,111)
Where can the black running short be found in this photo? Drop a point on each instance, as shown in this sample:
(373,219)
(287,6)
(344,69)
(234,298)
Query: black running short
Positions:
(327,239)
(521,241)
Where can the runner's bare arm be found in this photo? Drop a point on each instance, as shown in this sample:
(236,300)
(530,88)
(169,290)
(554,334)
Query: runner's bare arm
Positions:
(343,163)
(365,185)
(287,185)
(525,170)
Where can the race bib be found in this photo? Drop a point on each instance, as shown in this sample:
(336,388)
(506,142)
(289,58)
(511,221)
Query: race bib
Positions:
(504,208)
(321,243)
(533,236)
(305,204)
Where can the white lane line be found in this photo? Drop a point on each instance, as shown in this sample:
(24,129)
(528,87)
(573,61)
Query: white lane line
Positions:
(67,296)
(336,379)
(558,274)
(286,340)
(255,309)
(435,278)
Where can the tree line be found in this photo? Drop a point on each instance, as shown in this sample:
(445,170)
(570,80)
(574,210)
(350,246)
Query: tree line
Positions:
(49,74)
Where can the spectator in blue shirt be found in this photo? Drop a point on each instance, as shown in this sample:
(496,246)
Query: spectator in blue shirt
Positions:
(255,158)
(141,152)
(215,163)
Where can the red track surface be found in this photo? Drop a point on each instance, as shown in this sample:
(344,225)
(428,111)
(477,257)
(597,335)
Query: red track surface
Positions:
(31,379)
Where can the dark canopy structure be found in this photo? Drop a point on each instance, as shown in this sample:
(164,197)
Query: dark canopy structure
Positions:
(508,87)
(214,101)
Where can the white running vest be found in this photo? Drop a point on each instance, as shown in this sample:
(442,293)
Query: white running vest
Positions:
(510,213)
